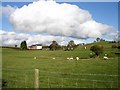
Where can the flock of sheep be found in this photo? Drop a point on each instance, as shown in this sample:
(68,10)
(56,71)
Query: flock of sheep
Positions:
(77,58)
(71,58)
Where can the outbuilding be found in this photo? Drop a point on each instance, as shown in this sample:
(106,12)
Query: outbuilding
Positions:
(36,47)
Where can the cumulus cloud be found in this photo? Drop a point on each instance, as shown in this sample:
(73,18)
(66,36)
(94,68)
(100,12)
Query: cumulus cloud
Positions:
(12,38)
(7,10)
(116,36)
(57,19)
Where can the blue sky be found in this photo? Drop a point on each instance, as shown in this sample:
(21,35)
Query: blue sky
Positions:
(105,12)
(102,12)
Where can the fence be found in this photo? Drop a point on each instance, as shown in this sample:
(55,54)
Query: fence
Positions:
(18,78)
(44,79)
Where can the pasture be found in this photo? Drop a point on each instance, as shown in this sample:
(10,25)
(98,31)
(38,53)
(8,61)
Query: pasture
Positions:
(18,68)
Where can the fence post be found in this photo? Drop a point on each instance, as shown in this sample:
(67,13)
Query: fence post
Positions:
(76,83)
(36,79)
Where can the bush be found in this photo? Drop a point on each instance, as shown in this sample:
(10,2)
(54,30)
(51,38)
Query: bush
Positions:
(118,47)
(92,55)
(114,46)
(23,45)
(97,49)
(4,83)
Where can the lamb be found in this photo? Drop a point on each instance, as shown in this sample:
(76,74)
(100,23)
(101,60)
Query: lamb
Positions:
(105,58)
(53,57)
(71,58)
(35,58)
(68,58)
(77,58)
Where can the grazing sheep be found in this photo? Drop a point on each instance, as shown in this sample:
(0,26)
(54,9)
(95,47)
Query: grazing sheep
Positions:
(35,58)
(105,58)
(85,47)
(77,58)
(71,58)
(53,57)
(68,58)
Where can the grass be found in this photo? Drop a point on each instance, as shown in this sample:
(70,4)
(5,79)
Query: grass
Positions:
(18,68)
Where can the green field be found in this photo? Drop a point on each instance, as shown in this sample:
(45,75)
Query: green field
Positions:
(18,68)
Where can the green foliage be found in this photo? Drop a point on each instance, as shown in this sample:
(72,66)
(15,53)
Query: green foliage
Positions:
(117,46)
(92,55)
(54,46)
(4,83)
(71,46)
(23,45)
(98,39)
(114,46)
(97,49)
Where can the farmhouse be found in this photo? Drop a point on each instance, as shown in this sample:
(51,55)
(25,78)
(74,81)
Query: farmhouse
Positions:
(36,46)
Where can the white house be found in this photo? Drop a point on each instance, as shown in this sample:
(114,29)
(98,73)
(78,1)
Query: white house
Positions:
(36,46)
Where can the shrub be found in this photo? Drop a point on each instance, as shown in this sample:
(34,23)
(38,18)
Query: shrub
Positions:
(97,49)
(114,46)
(4,83)
(92,55)
(23,45)
(118,47)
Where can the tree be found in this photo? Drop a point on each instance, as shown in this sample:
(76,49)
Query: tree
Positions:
(15,45)
(71,46)
(97,49)
(101,40)
(23,45)
(54,46)
(97,39)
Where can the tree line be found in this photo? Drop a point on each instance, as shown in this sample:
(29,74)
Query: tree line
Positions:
(53,46)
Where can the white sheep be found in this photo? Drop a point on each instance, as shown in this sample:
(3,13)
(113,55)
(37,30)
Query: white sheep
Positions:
(53,57)
(85,47)
(77,58)
(71,58)
(105,58)
(68,58)
(35,58)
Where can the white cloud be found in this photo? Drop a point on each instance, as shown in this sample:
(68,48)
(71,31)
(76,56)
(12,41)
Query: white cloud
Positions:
(57,19)
(7,10)
(115,35)
(12,38)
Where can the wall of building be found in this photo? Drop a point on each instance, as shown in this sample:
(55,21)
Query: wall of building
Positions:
(39,47)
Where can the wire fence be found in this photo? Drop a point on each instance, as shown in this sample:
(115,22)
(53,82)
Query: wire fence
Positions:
(26,79)
(73,80)
(18,78)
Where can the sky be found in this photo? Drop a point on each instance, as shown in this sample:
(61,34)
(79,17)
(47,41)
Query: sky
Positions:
(45,21)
